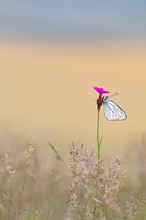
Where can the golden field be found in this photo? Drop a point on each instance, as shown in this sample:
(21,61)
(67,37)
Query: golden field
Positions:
(47,91)
(46,94)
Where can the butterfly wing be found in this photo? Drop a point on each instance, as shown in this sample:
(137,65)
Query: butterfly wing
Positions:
(112,111)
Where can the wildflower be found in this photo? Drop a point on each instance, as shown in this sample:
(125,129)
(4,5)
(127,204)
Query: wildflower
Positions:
(101,91)
(94,192)
(100,101)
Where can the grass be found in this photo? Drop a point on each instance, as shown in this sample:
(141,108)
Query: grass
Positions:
(92,190)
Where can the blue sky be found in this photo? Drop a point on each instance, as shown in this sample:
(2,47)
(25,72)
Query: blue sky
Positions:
(73,19)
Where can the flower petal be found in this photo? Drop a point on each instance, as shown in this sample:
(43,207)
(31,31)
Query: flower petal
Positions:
(100,90)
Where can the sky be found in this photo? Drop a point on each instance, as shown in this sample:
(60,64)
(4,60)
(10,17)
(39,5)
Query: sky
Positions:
(73,19)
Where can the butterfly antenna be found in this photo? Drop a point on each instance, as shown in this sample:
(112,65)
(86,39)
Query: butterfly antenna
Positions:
(114,94)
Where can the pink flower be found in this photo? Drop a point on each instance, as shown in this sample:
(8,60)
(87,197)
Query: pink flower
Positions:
(100,99)
(100,90)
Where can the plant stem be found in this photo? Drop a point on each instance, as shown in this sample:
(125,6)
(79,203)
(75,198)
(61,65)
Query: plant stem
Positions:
(24,180)
(99,139)
(21,195)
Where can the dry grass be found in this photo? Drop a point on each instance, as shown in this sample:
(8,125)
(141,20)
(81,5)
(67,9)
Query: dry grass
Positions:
(97,192)
(94,191)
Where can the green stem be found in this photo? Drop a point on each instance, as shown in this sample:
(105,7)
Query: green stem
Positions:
(21,195)
(98,138)
(95,205)
(24,180)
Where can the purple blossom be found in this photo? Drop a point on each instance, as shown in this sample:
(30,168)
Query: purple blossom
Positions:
(100,90)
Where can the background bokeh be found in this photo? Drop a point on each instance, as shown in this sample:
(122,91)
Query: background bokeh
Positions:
(52,53)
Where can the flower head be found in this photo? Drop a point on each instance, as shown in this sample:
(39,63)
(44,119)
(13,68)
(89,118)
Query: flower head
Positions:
(100,90)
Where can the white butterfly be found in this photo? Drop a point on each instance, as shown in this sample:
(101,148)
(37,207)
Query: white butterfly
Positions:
(112,111)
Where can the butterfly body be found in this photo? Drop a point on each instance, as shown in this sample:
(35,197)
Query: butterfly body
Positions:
(112,111)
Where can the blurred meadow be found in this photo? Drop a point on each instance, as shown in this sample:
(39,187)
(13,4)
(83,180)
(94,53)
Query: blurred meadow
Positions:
(52,53)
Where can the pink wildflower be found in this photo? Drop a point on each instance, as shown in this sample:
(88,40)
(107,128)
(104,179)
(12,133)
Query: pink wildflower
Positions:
(101,91)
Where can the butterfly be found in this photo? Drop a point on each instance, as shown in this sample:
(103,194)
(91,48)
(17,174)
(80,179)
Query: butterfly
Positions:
(112,111)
